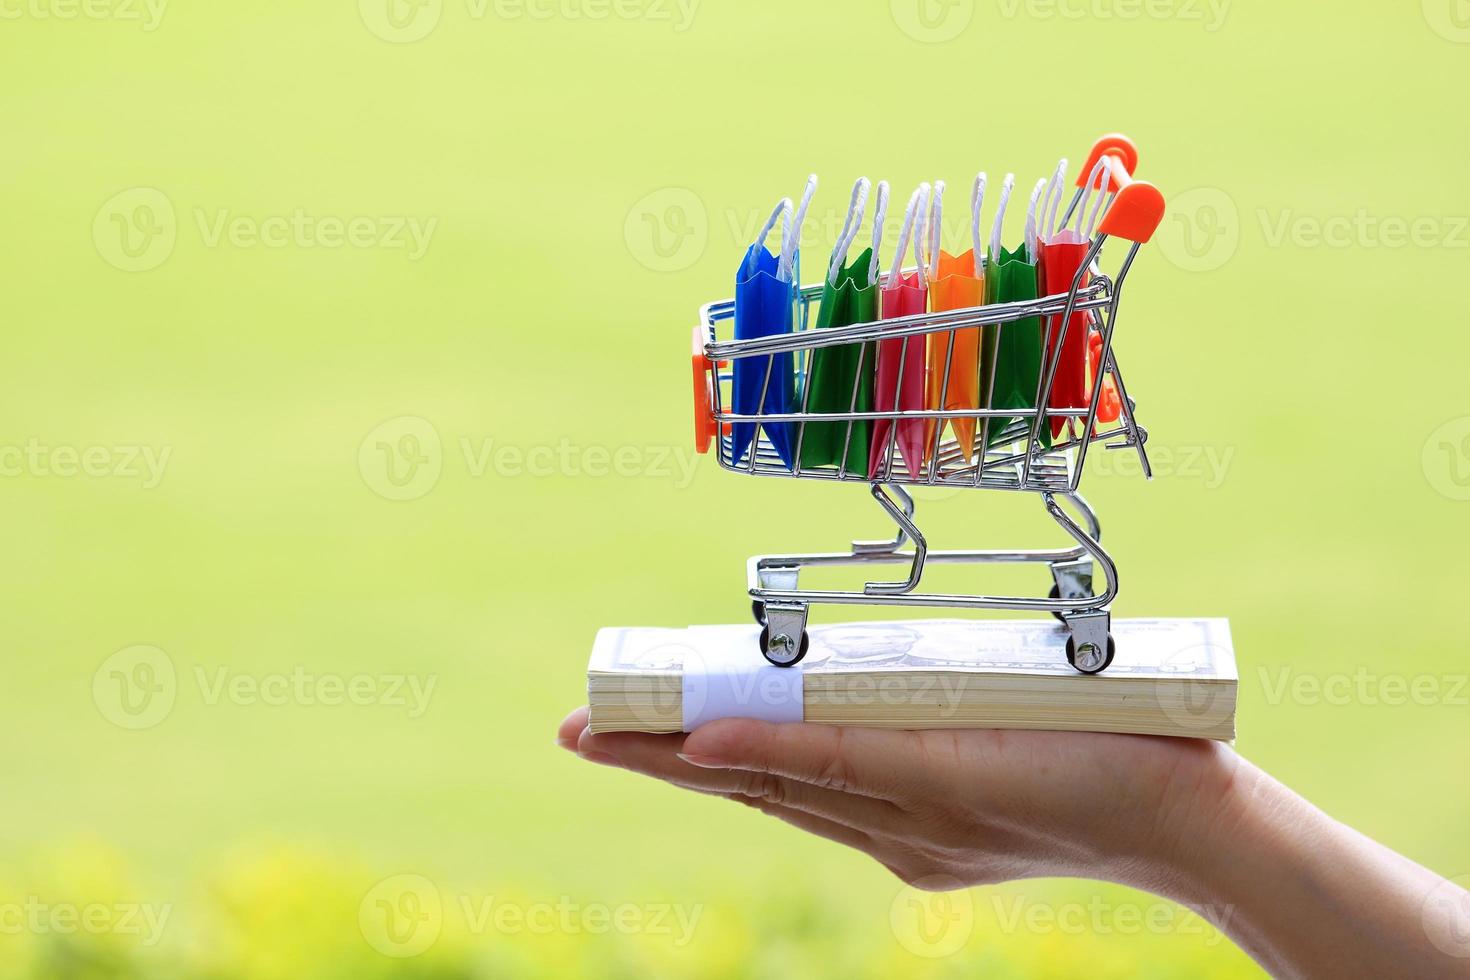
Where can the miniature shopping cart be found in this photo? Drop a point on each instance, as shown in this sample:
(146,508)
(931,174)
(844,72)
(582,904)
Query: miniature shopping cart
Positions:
(1023,453)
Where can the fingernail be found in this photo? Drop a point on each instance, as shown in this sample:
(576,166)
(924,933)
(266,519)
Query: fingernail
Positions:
(602,759)
(703,761)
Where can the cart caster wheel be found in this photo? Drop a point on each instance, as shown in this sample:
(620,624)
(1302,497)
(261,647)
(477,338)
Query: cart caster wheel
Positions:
(1091,664)
(784,652)
(758,608)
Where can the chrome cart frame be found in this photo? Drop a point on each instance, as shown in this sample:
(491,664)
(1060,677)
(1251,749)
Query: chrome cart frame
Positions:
(1018,458)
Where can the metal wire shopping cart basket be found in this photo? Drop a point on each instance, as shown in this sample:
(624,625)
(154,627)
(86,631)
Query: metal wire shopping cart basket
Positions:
(1021,456)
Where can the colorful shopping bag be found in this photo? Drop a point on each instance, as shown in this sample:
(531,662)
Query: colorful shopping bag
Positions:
(765,295)
(1063,252)
(1012,277)
(956,282)
(841,378)
(899,382)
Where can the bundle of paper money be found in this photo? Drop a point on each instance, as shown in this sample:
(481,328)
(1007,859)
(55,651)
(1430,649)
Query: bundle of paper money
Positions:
(1170,677)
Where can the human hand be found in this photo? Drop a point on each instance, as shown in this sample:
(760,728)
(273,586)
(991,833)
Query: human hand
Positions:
(1187,819)
(946,808)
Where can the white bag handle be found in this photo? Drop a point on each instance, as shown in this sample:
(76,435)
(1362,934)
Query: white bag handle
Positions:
(977,200)
(1097,180)
(855,209)
(783,210)
(1031,220)
(918,201)
(880,213)
(1007,185)
(1052,200)
(936,227)
(791,241)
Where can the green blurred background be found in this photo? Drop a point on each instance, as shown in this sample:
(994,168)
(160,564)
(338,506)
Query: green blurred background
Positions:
(346,349)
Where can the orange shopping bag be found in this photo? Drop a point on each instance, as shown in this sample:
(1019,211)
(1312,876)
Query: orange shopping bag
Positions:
(900,381)
(956,282)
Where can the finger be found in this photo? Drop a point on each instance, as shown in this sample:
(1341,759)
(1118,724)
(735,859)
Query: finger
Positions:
(657,756)
(886,765)
(813,824)
(571,728)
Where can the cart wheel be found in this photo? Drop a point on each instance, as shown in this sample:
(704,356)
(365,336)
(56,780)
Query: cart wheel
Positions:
(1097,668)
(1056,593)
(759,609)
(783,655)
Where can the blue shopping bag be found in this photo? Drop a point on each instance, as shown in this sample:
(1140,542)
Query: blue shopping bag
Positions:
(765,304)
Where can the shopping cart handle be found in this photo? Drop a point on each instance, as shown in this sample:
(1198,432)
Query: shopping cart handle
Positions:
(1138,210)
(704,420)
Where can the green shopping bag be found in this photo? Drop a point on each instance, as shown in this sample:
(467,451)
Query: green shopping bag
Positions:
(841,378)
(1012,277)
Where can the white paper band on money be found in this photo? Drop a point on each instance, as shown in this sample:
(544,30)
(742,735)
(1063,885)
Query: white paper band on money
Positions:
(724,676)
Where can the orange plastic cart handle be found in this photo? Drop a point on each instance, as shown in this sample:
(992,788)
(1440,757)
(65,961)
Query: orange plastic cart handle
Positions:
(1138,210)
(704,420)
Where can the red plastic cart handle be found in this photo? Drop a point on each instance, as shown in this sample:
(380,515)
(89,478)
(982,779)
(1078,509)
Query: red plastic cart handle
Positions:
(704,419)
(1138,210)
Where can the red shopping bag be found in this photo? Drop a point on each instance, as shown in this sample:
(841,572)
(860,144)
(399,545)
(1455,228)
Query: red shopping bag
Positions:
(900,377)
(1061,255)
